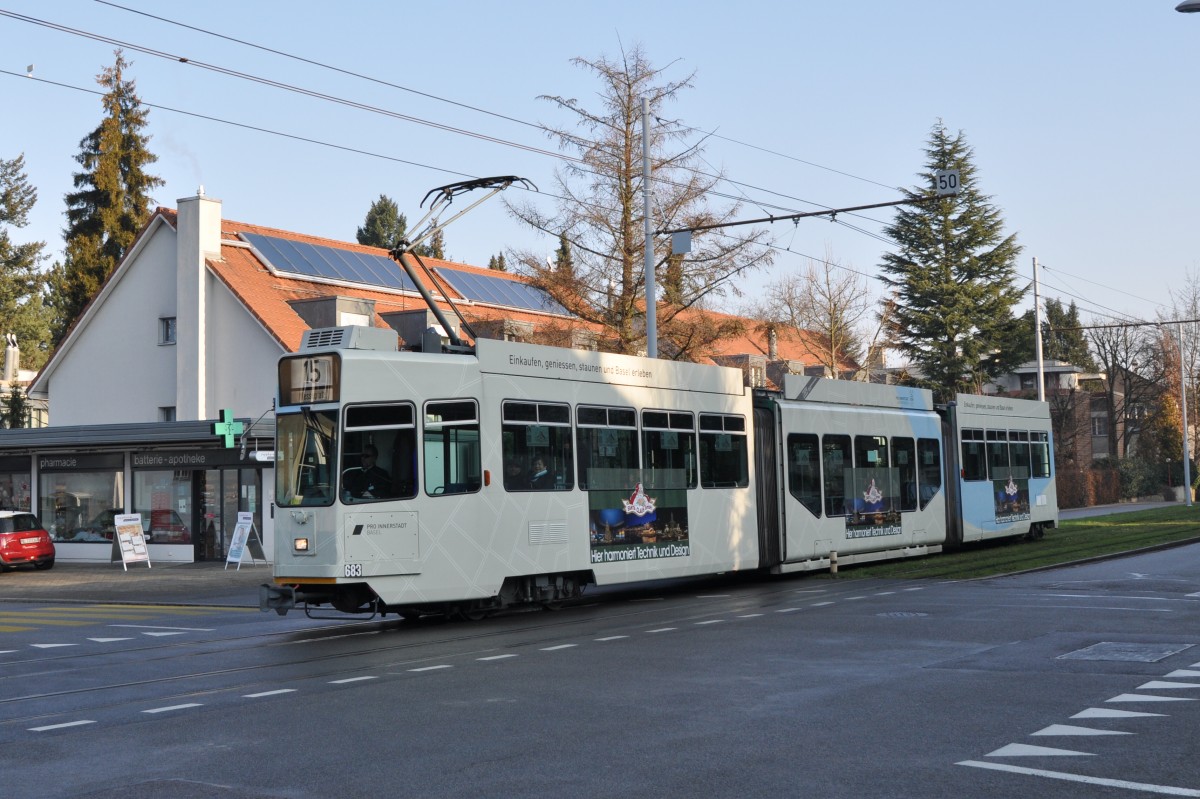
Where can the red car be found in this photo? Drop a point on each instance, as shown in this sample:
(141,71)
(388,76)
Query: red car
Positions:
(23,540)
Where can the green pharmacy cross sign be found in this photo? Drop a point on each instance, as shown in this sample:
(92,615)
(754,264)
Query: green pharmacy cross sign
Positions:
(228,428)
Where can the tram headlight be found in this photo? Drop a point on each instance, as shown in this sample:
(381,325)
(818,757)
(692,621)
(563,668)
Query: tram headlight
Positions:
(300,544)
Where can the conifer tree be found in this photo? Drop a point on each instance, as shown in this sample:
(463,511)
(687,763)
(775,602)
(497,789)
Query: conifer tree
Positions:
(498,263)
(111,201)
(952,281)
(384,226)
(22,284)
(564,263)
(434,247)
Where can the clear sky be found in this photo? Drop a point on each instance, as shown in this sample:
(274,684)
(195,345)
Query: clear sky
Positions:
(1082,114)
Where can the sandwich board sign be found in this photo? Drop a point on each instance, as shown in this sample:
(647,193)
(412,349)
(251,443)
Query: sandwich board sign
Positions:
(245,538)
(129,540)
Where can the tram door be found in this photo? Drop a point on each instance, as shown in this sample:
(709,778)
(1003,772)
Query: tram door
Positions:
(221,495)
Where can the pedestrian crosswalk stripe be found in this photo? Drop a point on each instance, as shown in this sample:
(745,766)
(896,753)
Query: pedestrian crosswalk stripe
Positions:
(1025,750)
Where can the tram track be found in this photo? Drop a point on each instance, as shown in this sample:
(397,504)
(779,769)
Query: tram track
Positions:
(349,661)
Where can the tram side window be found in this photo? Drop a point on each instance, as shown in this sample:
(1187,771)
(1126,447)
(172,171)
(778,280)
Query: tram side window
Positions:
(379,453)
(997,452)
(874,482)
(605,438)
(1040,453)
(669,443)
(929,473)
(1018,448)
(536,444)
(836,460)
(804,470)
(974,455)
(904,458)
(451,447)
(724,452)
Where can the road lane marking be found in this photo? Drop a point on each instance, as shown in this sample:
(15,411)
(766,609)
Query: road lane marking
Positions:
(162,627)
(662,630)
(1111,713)
(433,668)
(1058,775)
(172,707)
(1159,685)
(556,648)
(61,726)
(1067,729)
(710,621)
(497,657)
(1149,698)
(1026,750)
(613,638)
(276,692)
(40,622)
(351,679)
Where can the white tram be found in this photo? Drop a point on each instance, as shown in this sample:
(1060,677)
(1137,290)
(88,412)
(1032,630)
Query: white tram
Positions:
(414,482)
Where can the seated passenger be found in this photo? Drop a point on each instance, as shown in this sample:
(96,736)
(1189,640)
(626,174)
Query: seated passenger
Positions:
(542,479)
(514,476)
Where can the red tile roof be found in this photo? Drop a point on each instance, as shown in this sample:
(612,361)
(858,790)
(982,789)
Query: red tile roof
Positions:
(267,297)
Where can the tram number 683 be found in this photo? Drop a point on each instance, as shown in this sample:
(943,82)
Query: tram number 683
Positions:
(354,570)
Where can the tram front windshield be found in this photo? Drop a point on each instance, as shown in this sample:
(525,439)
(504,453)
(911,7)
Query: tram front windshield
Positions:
(305,458)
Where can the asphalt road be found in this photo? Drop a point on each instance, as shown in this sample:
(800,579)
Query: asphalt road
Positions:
(1075,682)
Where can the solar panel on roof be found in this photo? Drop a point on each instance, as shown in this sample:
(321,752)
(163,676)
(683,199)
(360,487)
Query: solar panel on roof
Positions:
(500,291)
(330,263)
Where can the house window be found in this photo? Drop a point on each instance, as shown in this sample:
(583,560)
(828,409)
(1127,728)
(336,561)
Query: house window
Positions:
(166,413)
(1099,426)
(166,330)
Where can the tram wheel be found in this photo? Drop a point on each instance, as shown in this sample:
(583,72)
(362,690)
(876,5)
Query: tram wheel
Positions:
(469,612)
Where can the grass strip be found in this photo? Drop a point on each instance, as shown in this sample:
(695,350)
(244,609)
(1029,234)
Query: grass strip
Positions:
(1075,540)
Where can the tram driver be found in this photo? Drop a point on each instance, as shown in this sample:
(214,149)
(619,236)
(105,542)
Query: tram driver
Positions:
(370,480)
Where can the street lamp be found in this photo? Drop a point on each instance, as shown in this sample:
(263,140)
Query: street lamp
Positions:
(1187,466)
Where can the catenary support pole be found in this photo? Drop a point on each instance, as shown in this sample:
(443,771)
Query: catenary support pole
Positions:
(1037,335)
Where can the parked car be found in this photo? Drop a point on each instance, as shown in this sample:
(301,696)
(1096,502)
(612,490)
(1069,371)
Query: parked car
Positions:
(165,527)
(23,540)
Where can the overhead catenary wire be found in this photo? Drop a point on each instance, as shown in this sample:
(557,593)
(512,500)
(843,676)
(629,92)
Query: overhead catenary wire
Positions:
(454,129)
(486,137)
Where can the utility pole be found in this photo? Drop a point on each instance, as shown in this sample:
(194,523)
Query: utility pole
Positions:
(1037,335)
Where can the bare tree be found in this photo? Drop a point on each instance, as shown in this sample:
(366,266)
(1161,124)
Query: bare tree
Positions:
(1133,360)
(600,214)
(1185,307)
(828,301)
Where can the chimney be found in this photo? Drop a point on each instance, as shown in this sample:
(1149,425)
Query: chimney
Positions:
(772,344)
(12,359)
(198,237)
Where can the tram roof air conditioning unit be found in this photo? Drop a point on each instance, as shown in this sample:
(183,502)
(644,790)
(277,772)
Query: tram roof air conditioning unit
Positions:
(352,337)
